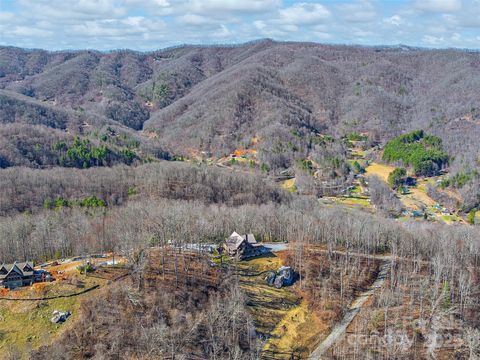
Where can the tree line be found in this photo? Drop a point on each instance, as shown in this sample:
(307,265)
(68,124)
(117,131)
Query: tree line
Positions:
(27,190)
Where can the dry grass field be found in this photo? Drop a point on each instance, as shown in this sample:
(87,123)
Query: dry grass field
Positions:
(380,170)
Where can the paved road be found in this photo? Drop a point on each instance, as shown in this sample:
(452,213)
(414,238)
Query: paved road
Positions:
(354,308)
(275,247)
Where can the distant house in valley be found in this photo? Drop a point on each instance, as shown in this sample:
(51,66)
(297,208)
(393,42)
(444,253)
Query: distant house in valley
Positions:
(417,213)
(243,246)
(16,274)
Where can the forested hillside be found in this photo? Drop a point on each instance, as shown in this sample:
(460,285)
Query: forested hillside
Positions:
(217,99)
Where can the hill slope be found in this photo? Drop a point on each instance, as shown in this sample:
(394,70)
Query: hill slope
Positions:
(218,98)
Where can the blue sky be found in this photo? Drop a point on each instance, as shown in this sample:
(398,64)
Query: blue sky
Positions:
(154,24)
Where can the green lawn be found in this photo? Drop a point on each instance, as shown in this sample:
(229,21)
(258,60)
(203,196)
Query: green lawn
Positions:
(354,201)
(450,218)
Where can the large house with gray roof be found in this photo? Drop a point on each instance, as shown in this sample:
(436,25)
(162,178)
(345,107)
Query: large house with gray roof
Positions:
(16,275)
(242,246)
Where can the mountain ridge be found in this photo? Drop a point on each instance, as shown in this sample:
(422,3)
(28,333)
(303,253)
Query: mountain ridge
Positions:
(216,98)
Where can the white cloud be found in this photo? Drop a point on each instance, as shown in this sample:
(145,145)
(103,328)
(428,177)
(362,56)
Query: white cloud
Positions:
(304,14)
(268,29)
(96,7)
(163,3)
(433,40)
(471,15)
(260,24)
(321,35)
(362,33)
(134,21)
(456,37)
(298,18)
(395,20)
(65,11)
(232,6)
(6,16)
(223,33)
(208,6)
(29,31)
(194,19)
(358,11)
(438,6)
(123,28)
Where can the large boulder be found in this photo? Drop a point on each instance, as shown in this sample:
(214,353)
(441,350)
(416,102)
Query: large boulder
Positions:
(60,316)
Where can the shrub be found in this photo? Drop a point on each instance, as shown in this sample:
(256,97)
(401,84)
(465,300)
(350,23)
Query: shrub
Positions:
(458,180)
(306,165)
(471,217)
(397,177)
(92,202)
(83,154)
(358,168)
(85,268)
(354,136)
(88,202)
(132,191)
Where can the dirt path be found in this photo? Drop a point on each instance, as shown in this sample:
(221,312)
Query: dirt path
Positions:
(276,247)
(354,308)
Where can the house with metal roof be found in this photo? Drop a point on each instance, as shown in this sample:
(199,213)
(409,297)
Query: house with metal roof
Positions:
(16,274)
(243,246)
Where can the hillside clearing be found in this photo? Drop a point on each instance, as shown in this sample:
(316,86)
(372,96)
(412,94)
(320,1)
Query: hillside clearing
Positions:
(295,334)
(380,170)
(280,315)
(26,325)
(420,193)
(450,219)
(354,201)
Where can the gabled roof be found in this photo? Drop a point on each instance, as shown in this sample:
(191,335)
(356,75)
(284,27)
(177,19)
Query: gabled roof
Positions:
(22,265)
(234,241)
(250,238)
(234,235)
(26,267)
(3,269)
(14,268)
(18,268)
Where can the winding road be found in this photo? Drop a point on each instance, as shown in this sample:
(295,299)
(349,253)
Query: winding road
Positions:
(353,310)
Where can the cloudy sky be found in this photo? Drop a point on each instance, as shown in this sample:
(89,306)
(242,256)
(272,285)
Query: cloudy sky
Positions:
(153,24)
